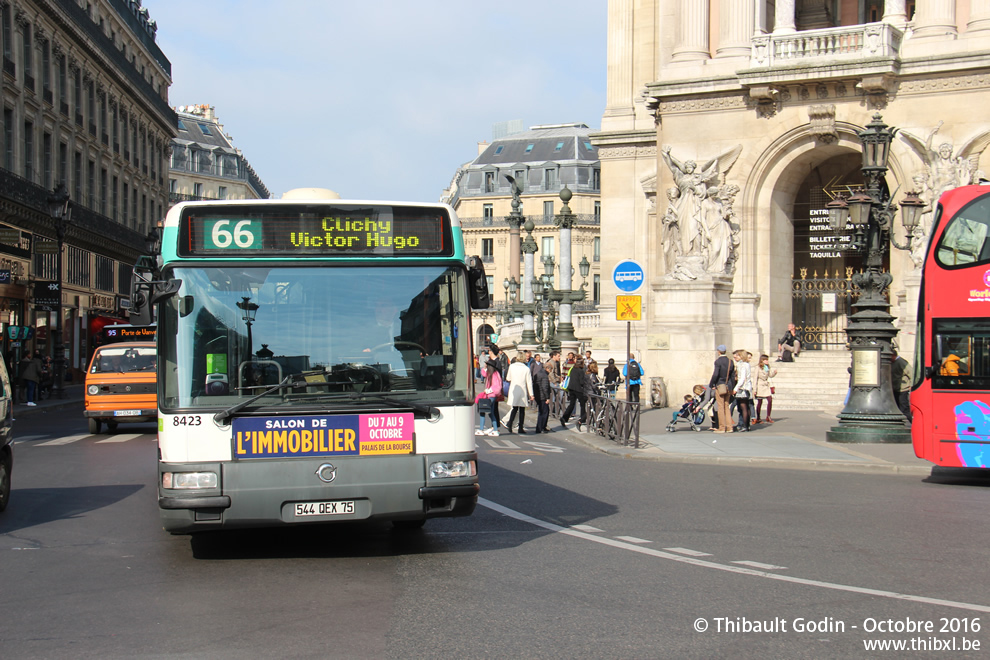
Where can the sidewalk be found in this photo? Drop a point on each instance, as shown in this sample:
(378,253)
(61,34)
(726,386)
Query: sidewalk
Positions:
(795,440)
(73,400)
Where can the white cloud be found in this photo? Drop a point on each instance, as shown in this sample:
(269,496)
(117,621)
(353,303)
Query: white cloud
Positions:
(380,99)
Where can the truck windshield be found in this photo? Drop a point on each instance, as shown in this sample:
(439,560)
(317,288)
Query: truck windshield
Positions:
(232,332)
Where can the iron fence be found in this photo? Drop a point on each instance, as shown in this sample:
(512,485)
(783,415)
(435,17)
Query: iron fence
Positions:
(614,419)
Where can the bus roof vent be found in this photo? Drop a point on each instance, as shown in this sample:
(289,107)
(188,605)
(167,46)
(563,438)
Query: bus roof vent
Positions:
(311,193)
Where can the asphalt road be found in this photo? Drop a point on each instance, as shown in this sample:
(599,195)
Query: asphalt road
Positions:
(572,553)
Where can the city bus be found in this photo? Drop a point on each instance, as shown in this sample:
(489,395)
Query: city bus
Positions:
(314,362)
(950,398)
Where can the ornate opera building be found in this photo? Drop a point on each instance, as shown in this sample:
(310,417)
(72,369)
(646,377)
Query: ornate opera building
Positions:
(730,124)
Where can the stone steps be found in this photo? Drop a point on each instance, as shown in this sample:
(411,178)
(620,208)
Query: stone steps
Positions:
(816,380)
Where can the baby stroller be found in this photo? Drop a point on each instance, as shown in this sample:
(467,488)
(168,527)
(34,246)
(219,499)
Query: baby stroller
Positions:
(695,410)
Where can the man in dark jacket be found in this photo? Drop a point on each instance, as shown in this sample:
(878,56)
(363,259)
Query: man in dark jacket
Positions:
(721,376)
(577,388)
(541,393)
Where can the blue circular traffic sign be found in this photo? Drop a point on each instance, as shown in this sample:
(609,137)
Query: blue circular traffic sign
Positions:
(628,276)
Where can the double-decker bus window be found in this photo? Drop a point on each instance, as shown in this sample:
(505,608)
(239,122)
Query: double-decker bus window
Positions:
(966,240)
(962,354)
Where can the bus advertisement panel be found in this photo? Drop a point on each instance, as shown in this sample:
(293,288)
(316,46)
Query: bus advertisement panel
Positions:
(317,363)
(950,399)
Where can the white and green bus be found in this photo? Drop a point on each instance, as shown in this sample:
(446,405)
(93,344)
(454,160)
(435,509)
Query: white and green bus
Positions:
(315,362)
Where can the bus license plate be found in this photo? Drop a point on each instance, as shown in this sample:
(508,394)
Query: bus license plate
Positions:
(126,413)
(324,508)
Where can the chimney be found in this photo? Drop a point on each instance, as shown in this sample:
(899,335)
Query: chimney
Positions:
(482,146)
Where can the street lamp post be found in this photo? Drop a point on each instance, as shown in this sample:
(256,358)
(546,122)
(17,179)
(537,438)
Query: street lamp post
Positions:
(250,309)
(60,211)
(565,221)
(871,413)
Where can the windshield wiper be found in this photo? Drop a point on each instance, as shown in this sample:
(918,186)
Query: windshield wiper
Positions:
(222,416)
(360,397)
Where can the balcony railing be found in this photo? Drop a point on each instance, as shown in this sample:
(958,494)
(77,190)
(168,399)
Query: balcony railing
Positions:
(226,172)
(500,220)
(855,42)
(175,198)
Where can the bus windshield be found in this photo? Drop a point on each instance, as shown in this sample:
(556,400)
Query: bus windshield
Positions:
(339,334)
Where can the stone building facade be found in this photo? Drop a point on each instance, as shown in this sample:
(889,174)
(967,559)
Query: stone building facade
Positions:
(205,164)
(731,123)
(85,104)
(543,160)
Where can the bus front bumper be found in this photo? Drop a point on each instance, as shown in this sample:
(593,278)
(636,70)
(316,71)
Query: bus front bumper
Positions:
(266,492)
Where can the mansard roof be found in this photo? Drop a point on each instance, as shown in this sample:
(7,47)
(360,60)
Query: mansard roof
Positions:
(540,145)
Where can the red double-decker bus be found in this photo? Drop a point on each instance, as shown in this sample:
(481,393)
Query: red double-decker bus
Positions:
(950,399)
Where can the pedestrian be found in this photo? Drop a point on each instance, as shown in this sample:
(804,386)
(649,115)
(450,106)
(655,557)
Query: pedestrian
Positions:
(722,375)
(577,388)
(502,364)
(537,364)
(900,382)
(612,378)
(765,388)
(529,358)
(520,391)
(744,388)
(541,393)
(789,345)
(486,398)
(588,360)
(554,371)
(594,382)
(633,372)
(31,374)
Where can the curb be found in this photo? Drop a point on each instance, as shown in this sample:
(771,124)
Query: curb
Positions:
(777,463)
(21,410)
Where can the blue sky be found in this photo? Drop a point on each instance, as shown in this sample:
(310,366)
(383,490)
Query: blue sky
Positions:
(381,99)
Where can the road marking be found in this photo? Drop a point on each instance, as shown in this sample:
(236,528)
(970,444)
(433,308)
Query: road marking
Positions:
(502,444)
(124,437)
(687,551)
(62,441)
(632,539)
(701,563)
(587,528)
(756,564)
(542,446)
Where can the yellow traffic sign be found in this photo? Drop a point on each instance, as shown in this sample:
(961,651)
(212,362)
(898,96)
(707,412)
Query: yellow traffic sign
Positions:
(629,308)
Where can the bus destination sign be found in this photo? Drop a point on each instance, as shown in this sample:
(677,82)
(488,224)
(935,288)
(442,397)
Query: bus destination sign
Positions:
(392,231)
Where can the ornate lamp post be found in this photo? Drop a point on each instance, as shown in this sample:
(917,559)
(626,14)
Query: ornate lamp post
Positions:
(567,297)
(60,211)
(871,414)
(250,309)
(548,301)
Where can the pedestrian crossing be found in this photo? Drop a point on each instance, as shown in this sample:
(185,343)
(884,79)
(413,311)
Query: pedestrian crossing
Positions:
(99,439)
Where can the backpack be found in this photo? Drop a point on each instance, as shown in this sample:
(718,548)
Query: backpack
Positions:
(633,372)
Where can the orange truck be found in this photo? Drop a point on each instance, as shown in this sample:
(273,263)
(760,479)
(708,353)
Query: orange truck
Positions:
(121,385)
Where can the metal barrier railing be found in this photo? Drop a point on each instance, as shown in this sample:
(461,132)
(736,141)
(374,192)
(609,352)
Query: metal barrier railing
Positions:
(615,419)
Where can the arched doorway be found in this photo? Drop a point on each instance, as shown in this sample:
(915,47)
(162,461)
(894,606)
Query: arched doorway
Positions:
(824,259)
(483,337)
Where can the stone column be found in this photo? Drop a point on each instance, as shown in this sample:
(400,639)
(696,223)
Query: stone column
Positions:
(895,12)
(979,16)
(935,18)
(735,27)
(619,59)
(783,18)
(692,43)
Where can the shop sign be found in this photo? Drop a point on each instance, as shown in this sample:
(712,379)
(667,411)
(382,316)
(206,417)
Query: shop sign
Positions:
(47,294)
(45,247)
(4,277)
(101,302)
(10,236)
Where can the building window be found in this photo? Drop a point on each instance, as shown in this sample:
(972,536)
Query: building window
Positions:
(8,137)
(529,147)
(597,249)
(91,185)
(46,69)
(596,180)
(548,210)
(489,182)
(173,186)
(181,126)
(597,289)
(77,88)
(487,248)
(29,151)
(560,145)
(499,149)
(489,213)
(46,144)
(63,95)
(123,207)
(547,247)
(116,200)
(520,177)
(91,106)
(205,129)
(28,56)
(549,179)
(63,163)
(197,190)
(103,191)
(78,266)
(588,147)
(8,40)
(598,212)
(104,273)
(491,283)
(222,192)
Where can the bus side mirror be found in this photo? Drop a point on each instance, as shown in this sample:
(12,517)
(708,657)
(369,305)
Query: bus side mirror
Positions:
(478,284)
(930,372)
(146,291)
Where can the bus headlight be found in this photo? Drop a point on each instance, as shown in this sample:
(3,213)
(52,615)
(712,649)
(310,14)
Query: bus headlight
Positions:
(449,469)
(189,480)
(93,390)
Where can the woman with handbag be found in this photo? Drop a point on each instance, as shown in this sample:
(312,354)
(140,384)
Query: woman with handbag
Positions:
(744,388)
(520,393)
(764,388)
(486,398)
